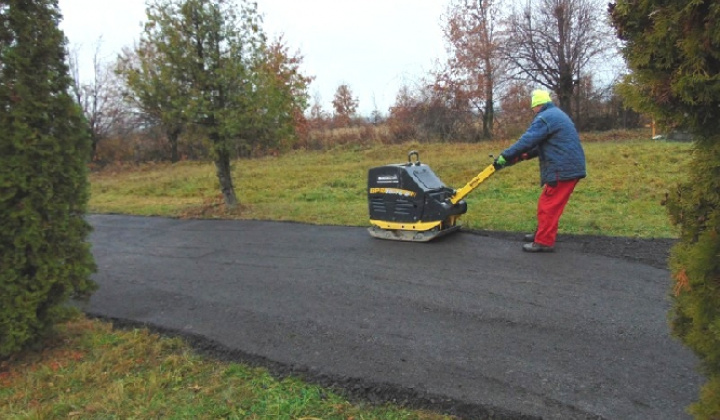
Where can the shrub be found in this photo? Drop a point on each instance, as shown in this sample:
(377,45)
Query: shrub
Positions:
(44,146)
(695,262)
(674,77)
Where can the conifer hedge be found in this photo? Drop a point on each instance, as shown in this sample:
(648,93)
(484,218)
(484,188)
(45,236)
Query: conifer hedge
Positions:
(673,50)
(44,148)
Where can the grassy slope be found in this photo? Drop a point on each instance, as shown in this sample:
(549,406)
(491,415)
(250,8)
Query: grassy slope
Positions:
(621,197)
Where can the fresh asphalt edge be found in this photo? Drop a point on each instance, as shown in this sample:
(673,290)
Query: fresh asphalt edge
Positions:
(356,390)
(649,251)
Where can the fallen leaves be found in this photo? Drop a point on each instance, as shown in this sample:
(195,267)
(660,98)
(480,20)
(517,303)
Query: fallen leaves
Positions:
(682,282)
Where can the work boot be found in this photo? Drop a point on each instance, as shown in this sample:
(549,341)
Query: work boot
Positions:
(530,237)
(536,247)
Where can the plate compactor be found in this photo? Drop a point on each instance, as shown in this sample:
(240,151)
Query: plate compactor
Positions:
(408,202)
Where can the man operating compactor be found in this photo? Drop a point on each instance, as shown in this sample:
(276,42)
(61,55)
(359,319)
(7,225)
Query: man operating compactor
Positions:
(553,139)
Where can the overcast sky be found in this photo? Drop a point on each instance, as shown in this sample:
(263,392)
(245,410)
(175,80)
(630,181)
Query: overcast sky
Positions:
(373,46)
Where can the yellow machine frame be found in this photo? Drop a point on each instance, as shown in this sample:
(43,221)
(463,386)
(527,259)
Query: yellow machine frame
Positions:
(425,231)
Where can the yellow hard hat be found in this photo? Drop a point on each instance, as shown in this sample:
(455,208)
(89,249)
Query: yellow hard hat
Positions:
(540,97)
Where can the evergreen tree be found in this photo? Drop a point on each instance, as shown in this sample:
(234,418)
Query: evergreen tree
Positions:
(673,50)
(44,147)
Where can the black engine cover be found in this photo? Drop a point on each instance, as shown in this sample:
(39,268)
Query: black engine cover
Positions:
(409,193)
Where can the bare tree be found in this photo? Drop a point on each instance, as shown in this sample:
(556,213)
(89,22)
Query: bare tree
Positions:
(475,66)
(554,43)
(432,110)
(344,104)
(318,116)
(515,112)
(99,98)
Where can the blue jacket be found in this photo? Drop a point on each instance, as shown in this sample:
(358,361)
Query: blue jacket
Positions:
(551,137)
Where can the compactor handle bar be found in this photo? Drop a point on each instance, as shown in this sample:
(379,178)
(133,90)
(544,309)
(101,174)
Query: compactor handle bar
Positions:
(472,184)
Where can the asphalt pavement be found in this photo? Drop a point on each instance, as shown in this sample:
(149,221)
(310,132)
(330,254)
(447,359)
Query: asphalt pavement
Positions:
(467,324)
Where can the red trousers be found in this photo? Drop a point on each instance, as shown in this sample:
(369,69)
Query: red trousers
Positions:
(551,204)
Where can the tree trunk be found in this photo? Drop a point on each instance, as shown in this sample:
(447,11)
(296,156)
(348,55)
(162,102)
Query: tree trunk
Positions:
(488,117)
(93,146)
(565,73)
(173,135)
(489,114)
(222,166)
(565,90)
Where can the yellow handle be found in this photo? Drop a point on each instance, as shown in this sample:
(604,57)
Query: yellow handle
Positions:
(467,189)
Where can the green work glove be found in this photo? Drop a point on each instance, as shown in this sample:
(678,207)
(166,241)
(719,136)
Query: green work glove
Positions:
(500,162)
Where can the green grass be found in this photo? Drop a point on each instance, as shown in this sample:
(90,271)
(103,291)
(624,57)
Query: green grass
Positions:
(622,195)
(90,371)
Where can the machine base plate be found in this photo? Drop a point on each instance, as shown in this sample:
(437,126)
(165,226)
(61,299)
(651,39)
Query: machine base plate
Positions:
(410,235)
